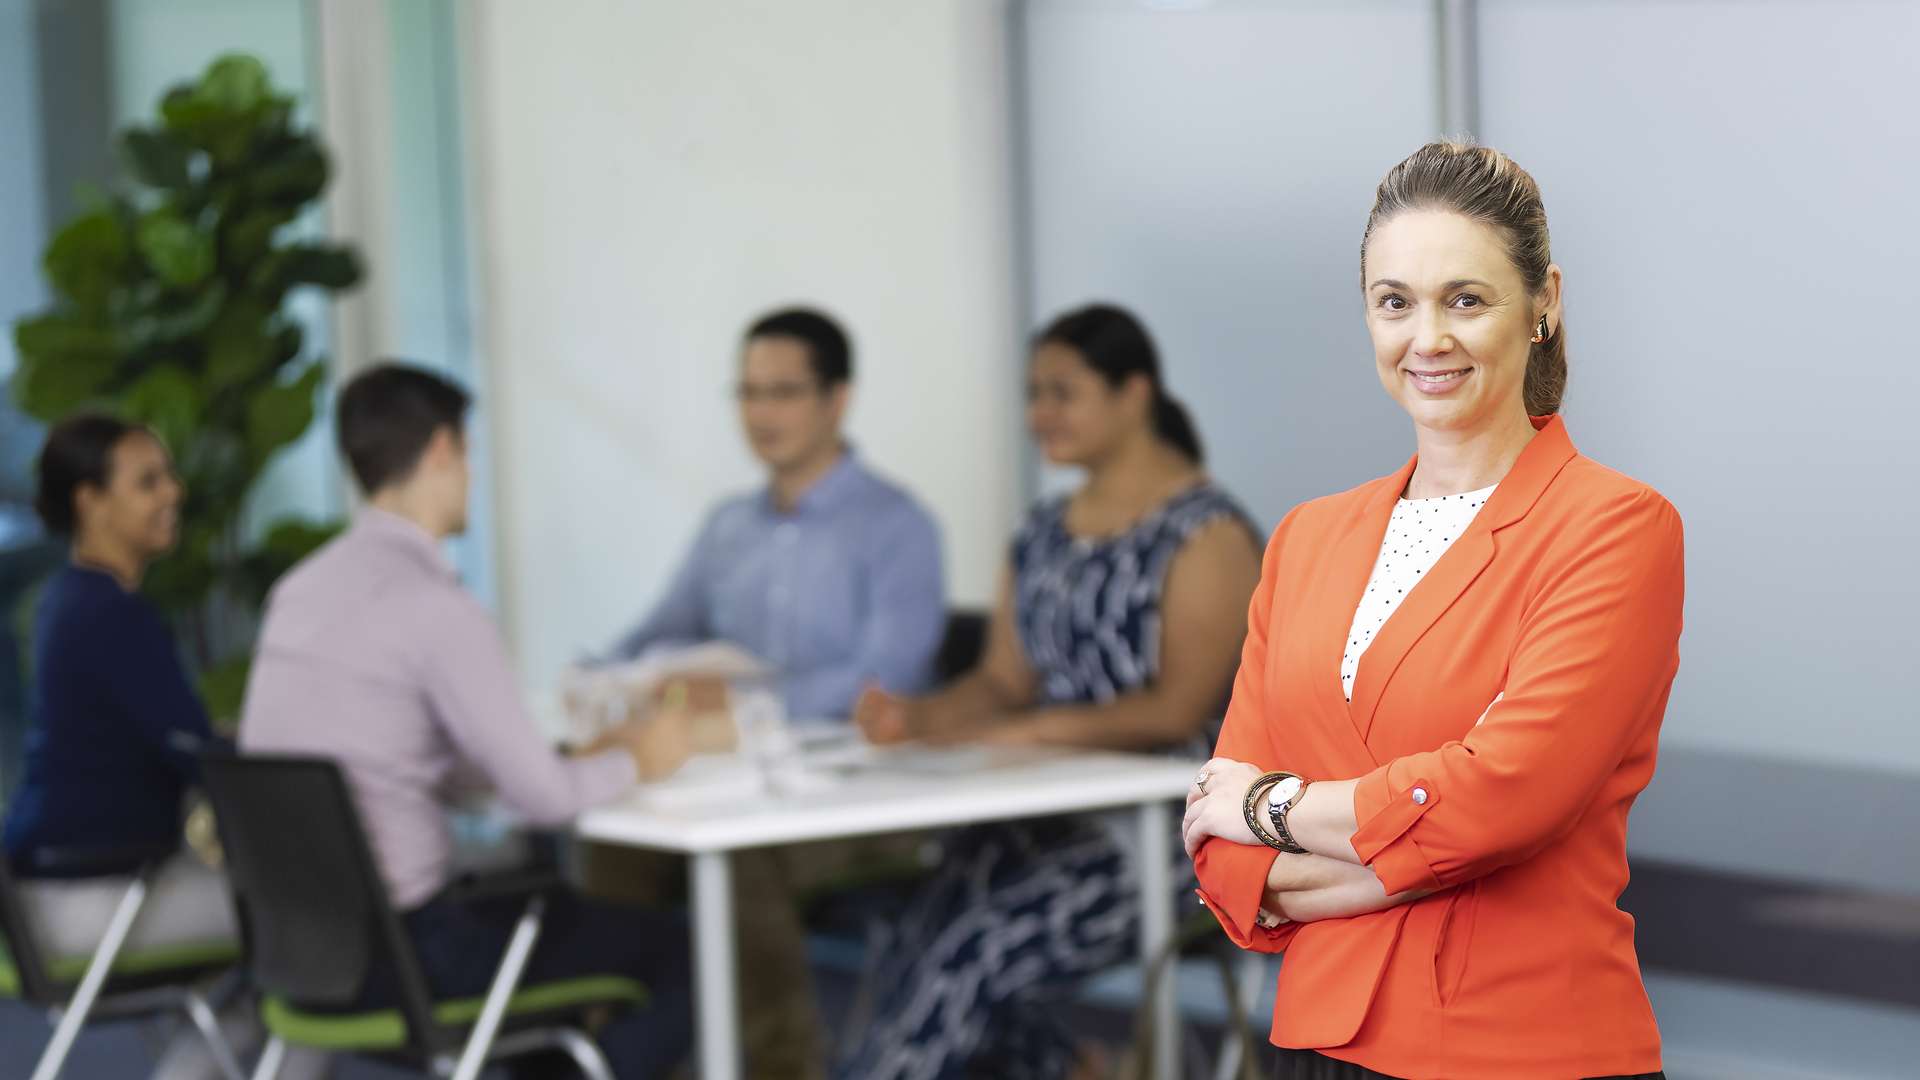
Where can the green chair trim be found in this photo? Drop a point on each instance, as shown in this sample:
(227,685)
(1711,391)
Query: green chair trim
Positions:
(183,956)
(387,1029)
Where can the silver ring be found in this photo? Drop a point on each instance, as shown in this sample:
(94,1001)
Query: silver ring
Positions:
(1201,781)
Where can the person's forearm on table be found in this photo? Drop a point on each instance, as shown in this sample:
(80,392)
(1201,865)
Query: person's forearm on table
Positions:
(971,706)
(1142,720)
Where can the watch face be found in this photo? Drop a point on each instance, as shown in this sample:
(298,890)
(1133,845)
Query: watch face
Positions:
(1283,792)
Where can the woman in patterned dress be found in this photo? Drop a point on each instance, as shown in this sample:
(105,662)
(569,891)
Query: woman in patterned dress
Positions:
(1118,625)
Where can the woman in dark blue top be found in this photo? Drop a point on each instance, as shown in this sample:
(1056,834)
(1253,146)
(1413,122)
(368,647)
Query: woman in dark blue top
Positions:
(114,726)
(1118,626)
(113,723)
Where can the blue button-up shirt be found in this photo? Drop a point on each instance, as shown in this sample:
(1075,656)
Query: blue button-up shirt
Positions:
(843,591)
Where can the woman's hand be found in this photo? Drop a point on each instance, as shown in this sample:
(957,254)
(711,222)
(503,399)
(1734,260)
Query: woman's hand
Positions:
(1216,804)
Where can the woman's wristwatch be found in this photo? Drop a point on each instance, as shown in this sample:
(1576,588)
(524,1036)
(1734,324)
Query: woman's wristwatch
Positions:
(1275,793)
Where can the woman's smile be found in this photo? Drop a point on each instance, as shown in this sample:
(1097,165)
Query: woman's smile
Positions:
(1438,381)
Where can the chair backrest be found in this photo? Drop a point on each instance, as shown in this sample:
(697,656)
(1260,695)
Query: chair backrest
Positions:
(960,651)
(22,947)
(314,915)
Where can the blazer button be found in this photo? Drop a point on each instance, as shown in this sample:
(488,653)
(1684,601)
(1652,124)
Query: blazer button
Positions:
(1419,796)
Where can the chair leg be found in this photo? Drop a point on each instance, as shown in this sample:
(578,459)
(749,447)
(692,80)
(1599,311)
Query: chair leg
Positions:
(879,936)
(270,1059)
(573,1042)
(505,980)
(208,1023)
(74,1016)
(1253,971)
(585,1053)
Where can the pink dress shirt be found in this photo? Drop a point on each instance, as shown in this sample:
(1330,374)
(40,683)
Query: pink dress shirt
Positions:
(372,654)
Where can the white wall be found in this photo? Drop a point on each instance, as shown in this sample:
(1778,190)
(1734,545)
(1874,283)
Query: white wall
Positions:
(1210,168)
(647,178)
(1731,190)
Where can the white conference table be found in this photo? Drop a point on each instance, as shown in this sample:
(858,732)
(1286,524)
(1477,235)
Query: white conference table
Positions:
(721,805)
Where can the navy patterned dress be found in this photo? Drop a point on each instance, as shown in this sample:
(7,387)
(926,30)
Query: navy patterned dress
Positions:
(1020,912)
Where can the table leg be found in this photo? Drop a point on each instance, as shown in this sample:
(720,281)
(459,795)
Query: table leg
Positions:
(1156,929)
(718,1002)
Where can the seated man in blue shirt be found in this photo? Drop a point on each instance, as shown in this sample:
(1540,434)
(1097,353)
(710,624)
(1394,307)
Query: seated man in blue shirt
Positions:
(829,574)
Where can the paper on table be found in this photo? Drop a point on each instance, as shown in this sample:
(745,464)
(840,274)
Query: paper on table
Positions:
(819,766)
(598,698)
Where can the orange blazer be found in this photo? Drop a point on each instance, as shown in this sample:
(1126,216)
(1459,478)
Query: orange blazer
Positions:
(1564,596)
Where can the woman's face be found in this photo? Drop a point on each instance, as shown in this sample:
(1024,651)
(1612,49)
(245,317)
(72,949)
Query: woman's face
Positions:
(139,509)
(1451,320)
(1075,417)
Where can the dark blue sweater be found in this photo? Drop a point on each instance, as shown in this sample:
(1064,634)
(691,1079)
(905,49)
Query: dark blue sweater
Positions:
(114,727)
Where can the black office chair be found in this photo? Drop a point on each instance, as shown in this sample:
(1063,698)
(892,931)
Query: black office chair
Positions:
(316,924)
(962,647)
(114,983)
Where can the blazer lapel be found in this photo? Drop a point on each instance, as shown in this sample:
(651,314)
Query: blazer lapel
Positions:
(1458,568)
(1349,565)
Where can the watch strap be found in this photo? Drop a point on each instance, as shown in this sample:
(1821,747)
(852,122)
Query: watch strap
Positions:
(1277,817)
(1255,794)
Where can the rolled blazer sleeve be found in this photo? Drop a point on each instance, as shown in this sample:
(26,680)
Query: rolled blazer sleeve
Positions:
(1233,877)
(1595,657)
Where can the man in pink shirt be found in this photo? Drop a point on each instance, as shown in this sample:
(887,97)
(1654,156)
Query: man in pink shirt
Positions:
(372,654)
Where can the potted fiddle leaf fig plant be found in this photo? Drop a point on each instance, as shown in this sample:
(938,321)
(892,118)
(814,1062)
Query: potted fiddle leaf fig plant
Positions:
(171,309)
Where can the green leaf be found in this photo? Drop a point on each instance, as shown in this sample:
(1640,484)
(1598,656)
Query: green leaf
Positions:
(223,690)
(48,387)
(196,122)
(291,539)
(281,413)
(236,83)
(181,254)
(250,236)
(224,112)
(286,344)
(238,346)
(59,336)
(88,257)
(325,265)
(214,464)
(157,158)
(165,399)
(179,581)
(168,321)
(293,176)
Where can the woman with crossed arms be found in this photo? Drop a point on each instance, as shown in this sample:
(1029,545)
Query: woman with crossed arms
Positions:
(1451,688)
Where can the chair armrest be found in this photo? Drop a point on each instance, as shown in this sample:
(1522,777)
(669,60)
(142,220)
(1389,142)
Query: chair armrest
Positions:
(505,884)
(77,861)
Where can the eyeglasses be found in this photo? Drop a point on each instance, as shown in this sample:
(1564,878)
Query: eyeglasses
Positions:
(779,393)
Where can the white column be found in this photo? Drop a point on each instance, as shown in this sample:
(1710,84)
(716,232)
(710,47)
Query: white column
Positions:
(1457,23)
(356,119)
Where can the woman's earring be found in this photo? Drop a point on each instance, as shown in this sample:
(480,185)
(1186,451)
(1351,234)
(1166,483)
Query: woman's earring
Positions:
(1540,331)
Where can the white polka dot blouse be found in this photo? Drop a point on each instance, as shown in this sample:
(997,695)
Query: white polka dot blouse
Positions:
(1420,531)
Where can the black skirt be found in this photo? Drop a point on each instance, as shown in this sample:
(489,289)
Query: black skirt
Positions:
(1308,1065)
